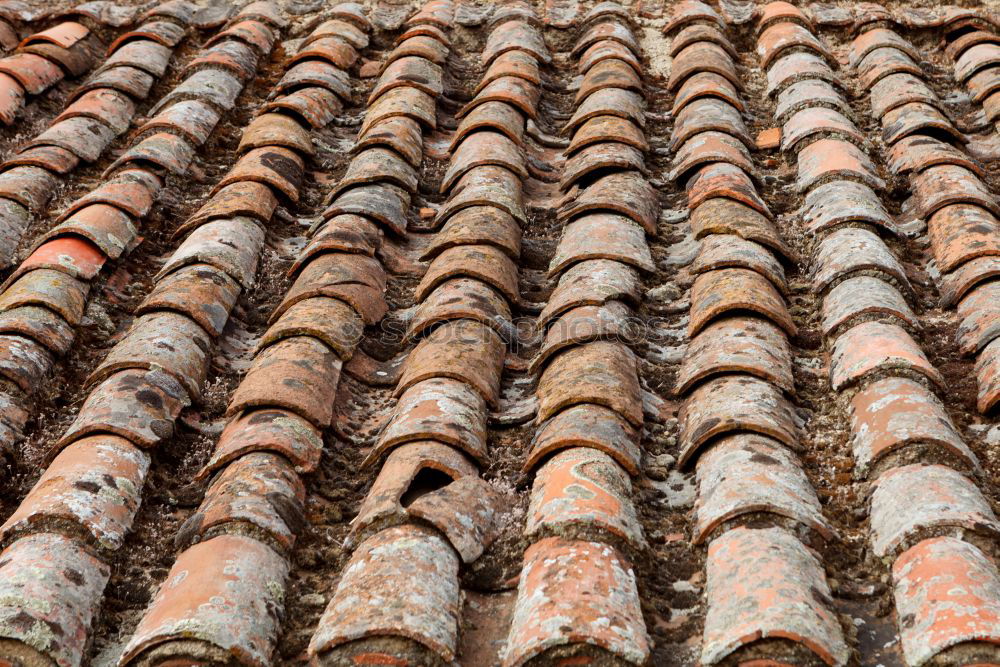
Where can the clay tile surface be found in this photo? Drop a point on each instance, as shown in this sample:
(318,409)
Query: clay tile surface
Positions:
(840,202)
(914,500)
(918,152)
(384,504)
(94,484)
(724,180)
(879,38)
(828,159)
(499,116)
(813,93)
(478,225)
(748,473)
(169,341)
(582,491)
(600,372)
(872,347)
(412,71)
(978,323)
(850,250)
(703,57)
(515,35)
(779,37)
(483,262)
(737,345)
(976,58)
(602,236)
(479,149)
(707,114)
(463,350)
(593,282)
(487,185)
(721,251)
(35,73)
(315,73)
(49,580)
(223,593)
(719,292)
(885,61)
(163,149)
(129,80)
(229,244)
(55,290)
(462,298)
(735,403)
(415,568)
(608,51)
(202,292)
(895,90)
(957,283)
(138,405)
(611,73)
(765,584)
(700,32)
(864,296)
(334,50)
(914,117)
(951,591)
(628,193)
(721,215)
(893,413)
(587,425)
(113,108)
(690,11)
(797,66)
(939,186)
(442,409)
(297,374)
(607,128)
(551,586)
(515,91)
(260,489)
(807,123)
(275,129)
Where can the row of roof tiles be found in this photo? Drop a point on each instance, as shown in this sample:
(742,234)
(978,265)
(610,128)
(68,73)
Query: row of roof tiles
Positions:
(82,507)
(867,320)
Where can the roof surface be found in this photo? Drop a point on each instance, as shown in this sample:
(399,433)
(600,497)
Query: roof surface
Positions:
(554,333)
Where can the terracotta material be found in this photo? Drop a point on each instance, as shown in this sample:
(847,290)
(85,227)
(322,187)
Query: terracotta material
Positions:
(765,584)
(224,593)
(591,589)
(744,474)
(872,347)
(735,403)
(95,483)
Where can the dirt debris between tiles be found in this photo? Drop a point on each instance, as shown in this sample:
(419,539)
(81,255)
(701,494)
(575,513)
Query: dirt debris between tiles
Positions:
(499,333)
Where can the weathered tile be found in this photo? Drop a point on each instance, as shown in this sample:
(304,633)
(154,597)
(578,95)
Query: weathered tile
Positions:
(737,344)
(298,374)
(600,372)
(852,250)
(49,581)
(95,483)
(720,292)
(951,592)
(418,570)
(735,403)
(225,595)
(556,574)
(746,474)
(862,297)
(138,405)
(593,283)
(441,409)
(876,347)
(462,298)
(764,583)
(894,413)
